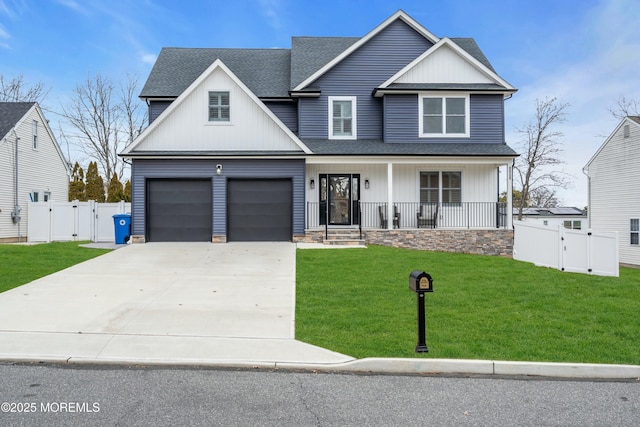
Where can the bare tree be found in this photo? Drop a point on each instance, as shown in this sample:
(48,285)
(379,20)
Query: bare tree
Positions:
(541,152)
(625,107)
(544,197)
(106,118)
(16,90)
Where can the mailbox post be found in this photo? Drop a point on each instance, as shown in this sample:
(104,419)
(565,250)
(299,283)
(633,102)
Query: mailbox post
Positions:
(421,283)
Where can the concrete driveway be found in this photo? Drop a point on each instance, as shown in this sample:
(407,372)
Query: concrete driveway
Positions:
(163,302)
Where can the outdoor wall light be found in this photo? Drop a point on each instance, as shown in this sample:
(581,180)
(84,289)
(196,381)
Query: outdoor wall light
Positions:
(366,183)
(219,169)
(312,183)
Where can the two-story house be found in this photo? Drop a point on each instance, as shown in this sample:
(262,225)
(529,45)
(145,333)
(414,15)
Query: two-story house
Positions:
(397,135)
(614,188)
(32,166)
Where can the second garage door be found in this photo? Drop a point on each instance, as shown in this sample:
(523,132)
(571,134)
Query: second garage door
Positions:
(259,210)
(179,210)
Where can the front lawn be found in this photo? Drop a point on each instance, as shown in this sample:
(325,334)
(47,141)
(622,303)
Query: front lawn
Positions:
(20,264)
(358,302)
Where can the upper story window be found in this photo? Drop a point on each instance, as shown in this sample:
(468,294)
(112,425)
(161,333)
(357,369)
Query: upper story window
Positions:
(635,231)
(35,134)
(342,117)
(444,116)
(219,107)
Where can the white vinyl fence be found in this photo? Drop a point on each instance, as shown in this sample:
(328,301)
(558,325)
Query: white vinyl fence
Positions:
(70,221)
(575,251)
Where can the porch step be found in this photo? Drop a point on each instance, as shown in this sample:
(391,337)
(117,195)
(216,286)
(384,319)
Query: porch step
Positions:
(350,237)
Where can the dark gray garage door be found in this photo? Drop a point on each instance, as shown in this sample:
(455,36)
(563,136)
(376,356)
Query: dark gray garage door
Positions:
(259,210)
(179,210)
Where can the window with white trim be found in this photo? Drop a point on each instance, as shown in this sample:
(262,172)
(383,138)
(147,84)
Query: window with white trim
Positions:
(444,116)
(441,187)
(635,231)
(573,225)
(219,106)
(342,117)
(35,134)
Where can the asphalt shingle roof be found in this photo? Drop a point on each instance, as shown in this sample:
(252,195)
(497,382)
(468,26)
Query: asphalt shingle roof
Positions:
(309,54)
(265,71)
(269,73)
(380,148)
(10,113)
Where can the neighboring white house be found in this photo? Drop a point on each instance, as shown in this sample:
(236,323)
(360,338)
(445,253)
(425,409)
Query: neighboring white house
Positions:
(569,217)
(32,166)
(614,188)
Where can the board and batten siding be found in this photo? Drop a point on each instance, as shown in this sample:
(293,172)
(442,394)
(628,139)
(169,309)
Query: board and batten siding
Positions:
(486,120)
(143,169)
(39,170)
(479,182)
(357,75)
(186,126)
(614,176)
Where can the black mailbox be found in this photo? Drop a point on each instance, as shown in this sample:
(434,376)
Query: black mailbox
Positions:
(419,281)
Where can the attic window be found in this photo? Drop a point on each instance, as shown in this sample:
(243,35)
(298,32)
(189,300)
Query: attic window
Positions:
(626,131)
(35,134)
(219,110)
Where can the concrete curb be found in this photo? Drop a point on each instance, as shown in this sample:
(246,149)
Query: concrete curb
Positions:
(372,366)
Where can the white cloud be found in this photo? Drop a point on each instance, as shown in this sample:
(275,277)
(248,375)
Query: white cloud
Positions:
(73,5)
(272,10)
(4,37)
(148,58)
(591,85)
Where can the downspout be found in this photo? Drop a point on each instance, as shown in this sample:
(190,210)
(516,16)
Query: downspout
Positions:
(15,215)
(588,195)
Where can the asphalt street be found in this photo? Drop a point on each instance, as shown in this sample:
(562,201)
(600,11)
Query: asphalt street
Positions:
(56,395)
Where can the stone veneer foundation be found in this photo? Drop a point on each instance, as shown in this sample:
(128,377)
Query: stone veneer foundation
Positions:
(481,242)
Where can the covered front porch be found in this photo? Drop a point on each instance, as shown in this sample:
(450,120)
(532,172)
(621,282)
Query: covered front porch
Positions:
(404,200)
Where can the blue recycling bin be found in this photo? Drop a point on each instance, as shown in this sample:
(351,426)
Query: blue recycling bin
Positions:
(122,224)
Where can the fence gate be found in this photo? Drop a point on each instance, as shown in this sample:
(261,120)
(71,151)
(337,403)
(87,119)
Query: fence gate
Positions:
(71,221)
(577,251)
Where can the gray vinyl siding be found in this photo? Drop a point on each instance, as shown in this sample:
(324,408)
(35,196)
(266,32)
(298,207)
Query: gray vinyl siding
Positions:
(486,121)
(357,75)
(142,169)
(287,112)
(156,108)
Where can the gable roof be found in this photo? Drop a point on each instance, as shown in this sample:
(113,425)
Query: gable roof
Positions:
(273,73)
(400,14)
(217,64)
(265,71)
(10,115)
(487,78)
(633,120)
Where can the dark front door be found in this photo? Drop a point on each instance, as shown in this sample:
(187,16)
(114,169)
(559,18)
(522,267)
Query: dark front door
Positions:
(259,210)
(179,210)
(339,197)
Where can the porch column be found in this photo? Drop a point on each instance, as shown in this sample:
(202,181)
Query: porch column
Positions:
(510,196)
(390,196)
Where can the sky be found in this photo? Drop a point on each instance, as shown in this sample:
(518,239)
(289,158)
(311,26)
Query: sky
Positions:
(585,53)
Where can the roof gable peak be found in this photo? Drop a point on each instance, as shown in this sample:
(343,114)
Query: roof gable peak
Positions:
(399,15)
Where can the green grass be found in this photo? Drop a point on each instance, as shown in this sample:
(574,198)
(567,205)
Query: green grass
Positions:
(358,302)
(20,264)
